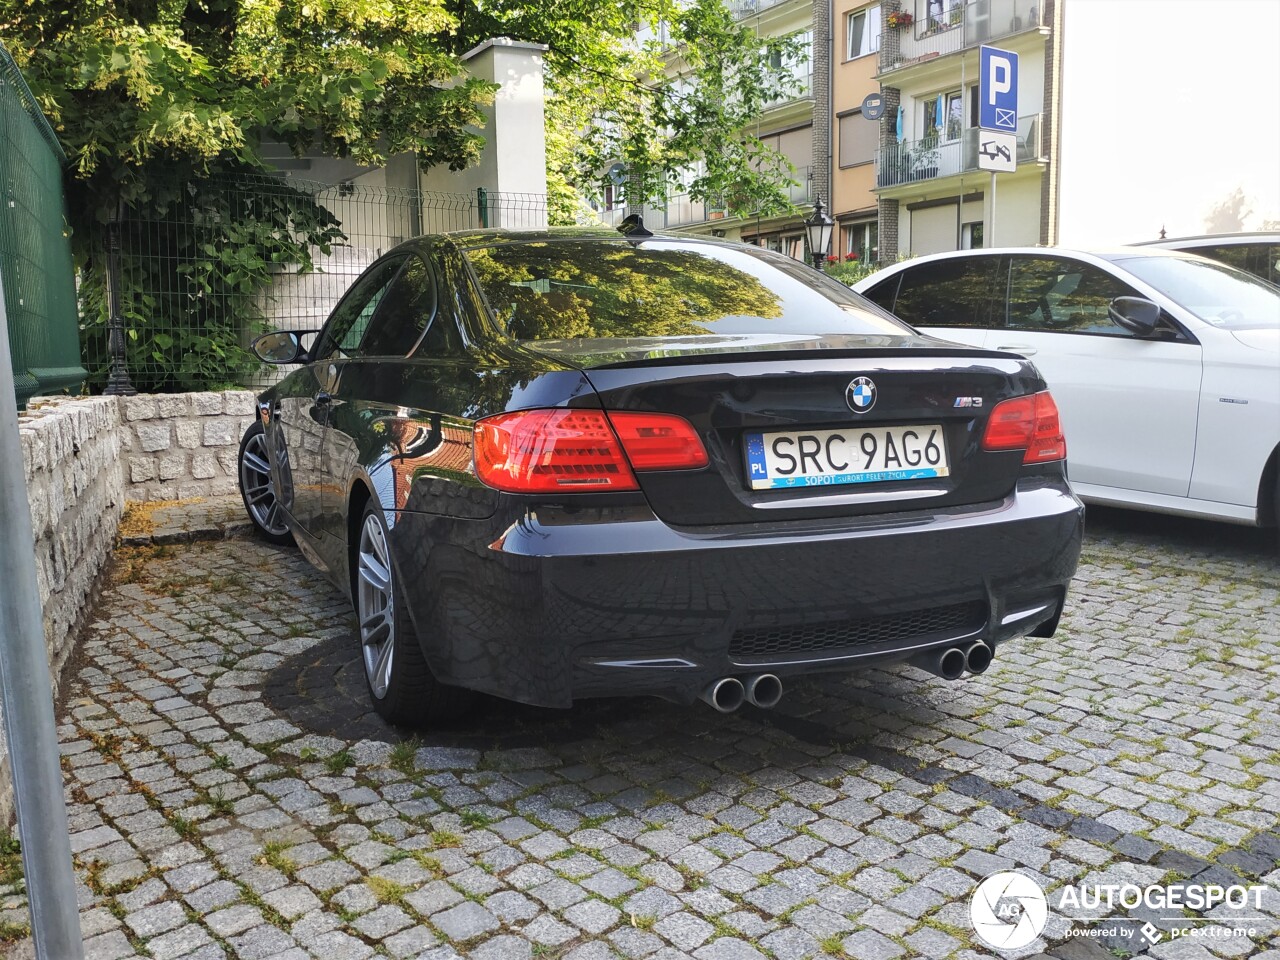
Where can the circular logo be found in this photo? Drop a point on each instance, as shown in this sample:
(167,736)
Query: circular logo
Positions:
(860,394)
(1008,910)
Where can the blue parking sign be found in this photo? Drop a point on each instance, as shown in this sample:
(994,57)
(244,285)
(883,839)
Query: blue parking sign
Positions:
(997,89)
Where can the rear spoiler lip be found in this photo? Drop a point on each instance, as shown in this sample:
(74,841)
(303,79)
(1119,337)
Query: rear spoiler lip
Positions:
(750,356)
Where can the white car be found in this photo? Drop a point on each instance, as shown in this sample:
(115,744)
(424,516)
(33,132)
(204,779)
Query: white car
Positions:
(1165,366)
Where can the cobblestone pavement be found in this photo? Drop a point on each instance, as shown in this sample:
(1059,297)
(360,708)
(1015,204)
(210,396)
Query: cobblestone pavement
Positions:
(232,796)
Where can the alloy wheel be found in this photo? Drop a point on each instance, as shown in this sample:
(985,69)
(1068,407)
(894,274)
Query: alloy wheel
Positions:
(375,605)
(258,487)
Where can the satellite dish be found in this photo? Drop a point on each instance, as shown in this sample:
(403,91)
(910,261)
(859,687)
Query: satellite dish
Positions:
(617,174)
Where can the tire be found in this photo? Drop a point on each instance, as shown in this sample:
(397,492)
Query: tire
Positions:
(1275,515)
(257,489)
(400,683)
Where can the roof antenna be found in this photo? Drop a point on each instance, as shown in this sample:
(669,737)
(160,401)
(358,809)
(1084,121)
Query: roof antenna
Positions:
(1162,231)
(632,227)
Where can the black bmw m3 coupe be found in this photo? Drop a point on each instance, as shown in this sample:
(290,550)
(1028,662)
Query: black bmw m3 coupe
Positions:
(570,463)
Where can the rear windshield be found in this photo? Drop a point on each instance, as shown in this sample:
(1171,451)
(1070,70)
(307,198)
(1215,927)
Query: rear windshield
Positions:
(1214,292)
(571,289)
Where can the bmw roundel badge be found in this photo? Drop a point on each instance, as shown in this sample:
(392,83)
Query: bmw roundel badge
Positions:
(860,394)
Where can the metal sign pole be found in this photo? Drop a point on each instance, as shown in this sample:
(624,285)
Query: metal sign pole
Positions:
(991,241)
(28,701)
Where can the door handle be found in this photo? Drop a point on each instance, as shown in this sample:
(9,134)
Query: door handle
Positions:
(323,399)
(1018,348)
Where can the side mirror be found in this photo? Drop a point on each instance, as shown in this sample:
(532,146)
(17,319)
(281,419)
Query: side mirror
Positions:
(1136,314)
(282,347)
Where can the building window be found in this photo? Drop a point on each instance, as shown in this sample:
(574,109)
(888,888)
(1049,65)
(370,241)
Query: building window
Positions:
(798,65)
(862,32)
(859,139)
(942,15)
(971,235)
(943,116)
(861,241)
(794,247)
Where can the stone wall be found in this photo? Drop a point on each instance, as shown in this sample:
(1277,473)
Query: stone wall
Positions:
(84,457)
(183,445)
(70,456)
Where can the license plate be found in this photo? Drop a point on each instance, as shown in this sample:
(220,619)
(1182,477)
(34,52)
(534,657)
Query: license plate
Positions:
(814,458)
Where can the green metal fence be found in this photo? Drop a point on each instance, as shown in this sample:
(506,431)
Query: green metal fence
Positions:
(205,267)
(35,249)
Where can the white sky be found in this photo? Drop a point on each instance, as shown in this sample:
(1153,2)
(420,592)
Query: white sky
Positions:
(1168,106)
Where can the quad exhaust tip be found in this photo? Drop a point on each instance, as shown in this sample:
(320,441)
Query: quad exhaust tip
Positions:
(953,662)
(763,690)
(729,693)
(725,695)
(978,657)
(947,664)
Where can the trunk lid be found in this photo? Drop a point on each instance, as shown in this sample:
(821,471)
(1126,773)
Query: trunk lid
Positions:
(798,386)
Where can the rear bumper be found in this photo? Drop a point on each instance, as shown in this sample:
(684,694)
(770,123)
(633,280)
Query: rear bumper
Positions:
(547,608)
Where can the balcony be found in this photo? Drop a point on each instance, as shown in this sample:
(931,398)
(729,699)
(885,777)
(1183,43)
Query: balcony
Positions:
(803,90)
(936,34)
(914,161)
(749,8)
(683,211)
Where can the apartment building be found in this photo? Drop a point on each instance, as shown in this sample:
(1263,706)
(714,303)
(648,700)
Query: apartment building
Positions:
(788,125)
(797,126)
(856,35)
(1088,97)
(1091,168)
(932,196)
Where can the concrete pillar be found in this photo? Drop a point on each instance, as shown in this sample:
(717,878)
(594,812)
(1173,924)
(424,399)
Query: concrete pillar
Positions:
(512,169)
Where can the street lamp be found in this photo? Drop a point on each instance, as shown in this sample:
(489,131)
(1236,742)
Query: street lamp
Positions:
(819,227)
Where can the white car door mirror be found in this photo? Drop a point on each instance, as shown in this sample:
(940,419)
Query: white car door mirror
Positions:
(1136,314)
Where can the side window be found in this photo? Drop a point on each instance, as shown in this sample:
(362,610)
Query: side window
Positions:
(460,296)
(350,319)
(1063,296)
(1260,259)
(883,293)
(1269,269)
(1235,255)
(409,308)
(954,292)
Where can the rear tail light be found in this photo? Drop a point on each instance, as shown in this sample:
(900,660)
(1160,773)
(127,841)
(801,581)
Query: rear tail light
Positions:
(1027,423)
(659,441)
(562,451)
